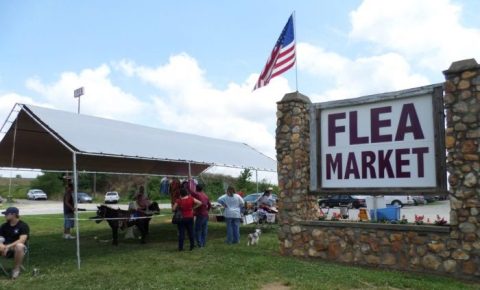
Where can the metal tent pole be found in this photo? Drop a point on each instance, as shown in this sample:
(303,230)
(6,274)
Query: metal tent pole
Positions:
(9,197)
(189,170)
(94,185)
(256,178)
(75,200)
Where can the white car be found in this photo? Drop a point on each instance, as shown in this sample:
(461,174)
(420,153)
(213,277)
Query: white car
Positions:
(36,194)
(112,197)
(399,200)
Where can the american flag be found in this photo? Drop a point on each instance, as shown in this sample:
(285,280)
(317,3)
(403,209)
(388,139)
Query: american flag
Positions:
(282,57)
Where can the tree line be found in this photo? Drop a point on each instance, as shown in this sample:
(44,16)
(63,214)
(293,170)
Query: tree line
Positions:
(126,185)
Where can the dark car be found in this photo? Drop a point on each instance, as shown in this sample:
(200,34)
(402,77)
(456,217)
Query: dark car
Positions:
(350,201)
(84,197)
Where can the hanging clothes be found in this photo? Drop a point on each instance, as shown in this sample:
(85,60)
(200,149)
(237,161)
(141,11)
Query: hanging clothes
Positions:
(174,190)
(165,186)
(192,186)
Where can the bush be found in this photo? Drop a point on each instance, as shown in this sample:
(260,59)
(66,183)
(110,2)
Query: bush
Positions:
(51,183)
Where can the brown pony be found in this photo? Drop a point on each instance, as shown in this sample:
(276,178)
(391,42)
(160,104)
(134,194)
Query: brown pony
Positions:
(118,218)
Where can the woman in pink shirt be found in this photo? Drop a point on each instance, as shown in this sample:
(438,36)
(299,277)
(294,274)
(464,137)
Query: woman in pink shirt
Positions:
(186,203)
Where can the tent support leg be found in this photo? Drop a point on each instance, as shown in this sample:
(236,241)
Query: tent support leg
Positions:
(75,200)
(94,185)
(9,197)
(256,178)
(189,170)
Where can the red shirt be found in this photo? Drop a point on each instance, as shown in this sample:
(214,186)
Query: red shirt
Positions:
(186,206)
(205,207)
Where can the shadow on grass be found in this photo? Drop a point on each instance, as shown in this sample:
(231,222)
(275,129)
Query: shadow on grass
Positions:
(95,241)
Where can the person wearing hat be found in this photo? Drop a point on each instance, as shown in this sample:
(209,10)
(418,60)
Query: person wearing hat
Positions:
(266,200)
(14,234)
(266,203)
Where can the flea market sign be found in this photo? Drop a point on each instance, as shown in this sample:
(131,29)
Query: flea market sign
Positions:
(386,143)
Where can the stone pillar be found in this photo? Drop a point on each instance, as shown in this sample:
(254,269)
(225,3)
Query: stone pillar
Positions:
(293,149)
(462,104)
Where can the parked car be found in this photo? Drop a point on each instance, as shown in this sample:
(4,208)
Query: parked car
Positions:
(83,197)
(112,197)
(35,194)
(350,201)
(419,200)
(431,198)
(399,200)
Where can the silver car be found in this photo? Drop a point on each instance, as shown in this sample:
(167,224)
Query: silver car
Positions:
(35,194)
(112,197)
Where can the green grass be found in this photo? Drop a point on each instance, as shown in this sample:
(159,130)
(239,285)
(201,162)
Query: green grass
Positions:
(157,265)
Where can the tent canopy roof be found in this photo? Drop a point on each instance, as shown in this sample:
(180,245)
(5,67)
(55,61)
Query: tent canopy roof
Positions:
(46,139)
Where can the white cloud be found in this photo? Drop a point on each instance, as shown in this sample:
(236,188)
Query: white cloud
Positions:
(356,77)
(188,102)
(427,31)
(405,36)
(8,100)
(102,97)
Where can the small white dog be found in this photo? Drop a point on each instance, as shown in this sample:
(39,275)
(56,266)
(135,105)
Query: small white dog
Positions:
(254,237)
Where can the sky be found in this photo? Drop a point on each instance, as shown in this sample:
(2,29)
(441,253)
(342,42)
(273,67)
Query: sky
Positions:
(190,66)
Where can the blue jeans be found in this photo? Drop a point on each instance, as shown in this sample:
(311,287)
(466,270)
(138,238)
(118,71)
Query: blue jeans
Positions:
(185,224)
(201,229)
(69,221)
(233,230)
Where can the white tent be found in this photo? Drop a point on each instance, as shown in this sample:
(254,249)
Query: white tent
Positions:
(48,139)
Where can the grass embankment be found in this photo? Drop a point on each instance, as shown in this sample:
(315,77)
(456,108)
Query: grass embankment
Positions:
(20,187)
(157,265)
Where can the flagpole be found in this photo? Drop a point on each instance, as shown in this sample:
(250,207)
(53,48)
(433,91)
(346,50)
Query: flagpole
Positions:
(296,59)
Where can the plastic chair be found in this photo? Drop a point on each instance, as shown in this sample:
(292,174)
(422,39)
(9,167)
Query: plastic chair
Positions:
(25,265)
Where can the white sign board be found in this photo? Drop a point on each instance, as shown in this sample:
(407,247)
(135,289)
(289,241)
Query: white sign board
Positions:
(383,143)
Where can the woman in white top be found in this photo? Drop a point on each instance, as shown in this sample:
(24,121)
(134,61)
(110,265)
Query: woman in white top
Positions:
(233,204)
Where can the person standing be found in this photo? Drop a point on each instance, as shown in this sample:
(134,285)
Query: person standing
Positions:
(68,211)
(14,234)
(201,216)
(233,204)
(186,203)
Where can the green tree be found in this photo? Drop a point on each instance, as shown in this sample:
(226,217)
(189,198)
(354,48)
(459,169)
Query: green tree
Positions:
(86,182)
(243,181)
(51,183)
(153,188)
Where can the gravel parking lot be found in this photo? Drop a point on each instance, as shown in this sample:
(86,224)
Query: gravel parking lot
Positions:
(36,207)
(430,211)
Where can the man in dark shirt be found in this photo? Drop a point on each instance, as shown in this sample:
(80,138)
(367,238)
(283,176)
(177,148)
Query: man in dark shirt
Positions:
(68,212)
(15,235)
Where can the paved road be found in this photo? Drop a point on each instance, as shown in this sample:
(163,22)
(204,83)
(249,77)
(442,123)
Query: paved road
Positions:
(37,207)
(30,207)
(430,211)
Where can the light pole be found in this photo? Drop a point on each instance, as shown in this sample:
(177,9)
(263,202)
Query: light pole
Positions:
(77,94)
